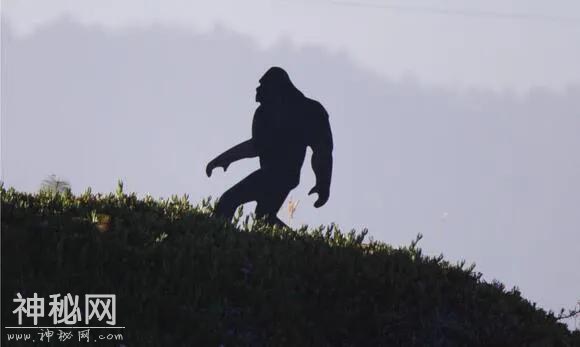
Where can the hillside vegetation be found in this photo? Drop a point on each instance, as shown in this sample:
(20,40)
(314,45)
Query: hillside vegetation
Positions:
(183,278)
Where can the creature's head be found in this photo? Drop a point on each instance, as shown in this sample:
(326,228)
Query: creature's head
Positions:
(275,86)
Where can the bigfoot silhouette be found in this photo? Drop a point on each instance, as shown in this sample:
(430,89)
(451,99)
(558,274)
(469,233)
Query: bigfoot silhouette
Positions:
(285,123)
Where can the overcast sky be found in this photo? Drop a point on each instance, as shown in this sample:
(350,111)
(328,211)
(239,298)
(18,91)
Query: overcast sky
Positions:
(458,121)
(500,44)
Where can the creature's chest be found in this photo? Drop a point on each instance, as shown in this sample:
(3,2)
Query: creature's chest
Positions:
(285,130)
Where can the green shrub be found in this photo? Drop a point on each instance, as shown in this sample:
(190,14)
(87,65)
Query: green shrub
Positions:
(183,278)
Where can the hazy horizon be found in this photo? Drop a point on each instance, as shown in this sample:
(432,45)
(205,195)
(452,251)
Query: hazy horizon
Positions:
(495,44)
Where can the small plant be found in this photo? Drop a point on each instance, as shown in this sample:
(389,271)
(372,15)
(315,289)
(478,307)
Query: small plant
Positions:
(292,206)
(55,185)
(119,190)
(570,313)
(102,221)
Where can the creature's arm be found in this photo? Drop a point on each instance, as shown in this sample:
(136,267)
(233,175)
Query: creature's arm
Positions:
(322,161)
(245,149)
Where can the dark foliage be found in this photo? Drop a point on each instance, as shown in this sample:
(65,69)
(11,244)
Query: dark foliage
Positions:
(183,278)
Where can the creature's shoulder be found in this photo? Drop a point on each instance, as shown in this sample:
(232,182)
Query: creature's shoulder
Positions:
(315,108)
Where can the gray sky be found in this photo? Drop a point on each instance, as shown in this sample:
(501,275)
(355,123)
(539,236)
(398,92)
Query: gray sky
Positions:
(463,127)
(500,44)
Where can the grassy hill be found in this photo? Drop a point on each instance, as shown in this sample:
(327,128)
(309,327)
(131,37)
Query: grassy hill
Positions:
(183,278)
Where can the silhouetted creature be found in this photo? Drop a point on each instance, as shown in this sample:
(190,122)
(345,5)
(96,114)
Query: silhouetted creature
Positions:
(285,123)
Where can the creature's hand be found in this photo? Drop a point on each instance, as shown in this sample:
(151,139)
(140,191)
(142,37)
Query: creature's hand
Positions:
(323,195)
(217,162)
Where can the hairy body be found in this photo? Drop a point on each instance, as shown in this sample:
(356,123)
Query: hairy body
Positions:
(284,125)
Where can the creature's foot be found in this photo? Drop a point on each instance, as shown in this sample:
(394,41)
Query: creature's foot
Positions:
(276,221)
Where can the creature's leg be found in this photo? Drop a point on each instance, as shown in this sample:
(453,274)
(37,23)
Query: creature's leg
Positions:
(246,190)
(269,204)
